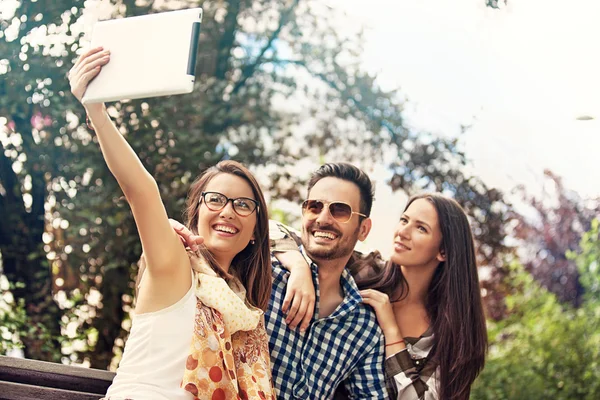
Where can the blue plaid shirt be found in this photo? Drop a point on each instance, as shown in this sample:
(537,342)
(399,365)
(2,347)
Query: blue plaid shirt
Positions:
(346,347)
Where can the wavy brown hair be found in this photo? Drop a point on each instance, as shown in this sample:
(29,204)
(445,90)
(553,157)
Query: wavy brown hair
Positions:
(252,265)
(453,301)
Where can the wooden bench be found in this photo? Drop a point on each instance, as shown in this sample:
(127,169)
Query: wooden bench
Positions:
(22,379)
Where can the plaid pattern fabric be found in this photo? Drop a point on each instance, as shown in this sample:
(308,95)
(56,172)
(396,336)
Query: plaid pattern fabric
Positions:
(344,348)
(409,374)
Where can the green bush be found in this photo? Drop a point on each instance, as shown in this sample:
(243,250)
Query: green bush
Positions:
(544,349)
(13,319)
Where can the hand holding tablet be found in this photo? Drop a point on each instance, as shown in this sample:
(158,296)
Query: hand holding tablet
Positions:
(151,55)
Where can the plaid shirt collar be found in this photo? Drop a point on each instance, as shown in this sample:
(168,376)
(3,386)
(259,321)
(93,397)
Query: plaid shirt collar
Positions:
(351,295)
(342,349)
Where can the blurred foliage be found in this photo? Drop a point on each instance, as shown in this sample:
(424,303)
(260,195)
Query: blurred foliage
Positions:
(545,349)
(13,320)
(550,228)
(495,3)
(277,82)
(588,262)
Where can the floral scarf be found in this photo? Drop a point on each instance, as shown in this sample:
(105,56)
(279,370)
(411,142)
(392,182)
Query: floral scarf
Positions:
(229,353)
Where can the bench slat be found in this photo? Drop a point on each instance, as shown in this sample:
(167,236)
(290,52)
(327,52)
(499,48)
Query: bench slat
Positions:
(52,375)
(20,391)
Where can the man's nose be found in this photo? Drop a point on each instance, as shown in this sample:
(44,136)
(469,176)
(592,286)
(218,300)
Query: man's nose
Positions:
(324,216)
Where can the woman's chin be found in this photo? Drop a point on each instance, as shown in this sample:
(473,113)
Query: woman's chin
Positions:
(222,247)
(397,258)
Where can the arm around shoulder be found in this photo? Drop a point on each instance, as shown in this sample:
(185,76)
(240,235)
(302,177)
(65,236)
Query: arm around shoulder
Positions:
(283,238)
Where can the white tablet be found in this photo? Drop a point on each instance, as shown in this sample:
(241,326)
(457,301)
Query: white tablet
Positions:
(150,55)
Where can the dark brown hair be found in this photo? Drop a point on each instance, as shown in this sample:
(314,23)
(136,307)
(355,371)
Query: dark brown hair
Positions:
(350,173)
(453,301)
(252,265)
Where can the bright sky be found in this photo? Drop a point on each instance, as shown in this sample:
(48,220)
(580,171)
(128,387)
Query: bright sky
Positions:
(519,76)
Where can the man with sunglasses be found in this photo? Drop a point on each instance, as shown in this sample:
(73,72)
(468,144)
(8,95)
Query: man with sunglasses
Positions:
(342,346)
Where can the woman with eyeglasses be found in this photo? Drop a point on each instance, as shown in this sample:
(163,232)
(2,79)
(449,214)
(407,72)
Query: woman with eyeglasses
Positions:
(198,329)
(434,325)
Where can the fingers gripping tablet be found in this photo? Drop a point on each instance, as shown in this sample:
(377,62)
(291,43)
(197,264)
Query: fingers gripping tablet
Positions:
(151,55)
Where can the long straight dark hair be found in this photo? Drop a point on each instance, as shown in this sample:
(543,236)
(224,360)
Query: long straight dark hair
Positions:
(453,300)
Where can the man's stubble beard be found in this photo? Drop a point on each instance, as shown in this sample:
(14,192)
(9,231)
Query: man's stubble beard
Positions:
(333,253)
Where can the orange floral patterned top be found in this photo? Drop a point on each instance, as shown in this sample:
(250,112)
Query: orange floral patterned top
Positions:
(222,365)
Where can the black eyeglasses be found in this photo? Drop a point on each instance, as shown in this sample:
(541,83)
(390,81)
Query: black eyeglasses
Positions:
(340,211)
(242,206)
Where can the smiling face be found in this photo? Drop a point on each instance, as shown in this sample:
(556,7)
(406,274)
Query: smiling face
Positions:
(225,232)
(323,237)
(418,237)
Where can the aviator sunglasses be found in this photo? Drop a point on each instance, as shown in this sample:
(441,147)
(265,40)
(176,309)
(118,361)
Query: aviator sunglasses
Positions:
(216,201)
(341,212)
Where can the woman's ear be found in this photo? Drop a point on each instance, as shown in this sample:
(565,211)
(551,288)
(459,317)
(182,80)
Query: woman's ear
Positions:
(441,256)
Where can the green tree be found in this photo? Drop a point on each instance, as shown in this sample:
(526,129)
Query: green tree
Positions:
(64,226)
(29,162)
(548,230)
(545,349)
(587,260)
(495,3)
(12,320)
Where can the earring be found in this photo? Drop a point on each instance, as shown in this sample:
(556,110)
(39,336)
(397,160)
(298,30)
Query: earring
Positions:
(252,242)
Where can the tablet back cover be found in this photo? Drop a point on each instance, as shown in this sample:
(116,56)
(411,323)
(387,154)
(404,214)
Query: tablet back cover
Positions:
(151,55)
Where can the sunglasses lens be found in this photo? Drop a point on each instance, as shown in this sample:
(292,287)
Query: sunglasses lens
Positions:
(340,211)
(312,207)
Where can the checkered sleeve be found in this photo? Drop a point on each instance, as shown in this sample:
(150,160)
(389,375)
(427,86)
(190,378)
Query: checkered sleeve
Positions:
(411,379)
(367,380)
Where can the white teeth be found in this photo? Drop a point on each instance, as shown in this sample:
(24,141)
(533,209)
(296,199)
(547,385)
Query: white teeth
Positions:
(324,234)
(223,228)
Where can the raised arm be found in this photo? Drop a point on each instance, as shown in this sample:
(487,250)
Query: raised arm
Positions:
(168,267)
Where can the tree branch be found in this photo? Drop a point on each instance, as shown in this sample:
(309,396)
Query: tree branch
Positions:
(249,70)
(227,40)
(359,105)
(494,3)
(11,203)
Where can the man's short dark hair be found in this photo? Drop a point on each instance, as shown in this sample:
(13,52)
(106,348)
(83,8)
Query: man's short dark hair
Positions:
(350,173)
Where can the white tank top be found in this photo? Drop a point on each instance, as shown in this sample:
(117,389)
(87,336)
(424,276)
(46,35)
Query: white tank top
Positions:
(154,358)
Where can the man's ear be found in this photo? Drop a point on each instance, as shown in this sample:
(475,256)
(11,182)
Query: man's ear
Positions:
(364,229)
(441,256)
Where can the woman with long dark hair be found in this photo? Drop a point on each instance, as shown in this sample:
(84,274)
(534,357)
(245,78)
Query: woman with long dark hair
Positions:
(434,325)
(198,329)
